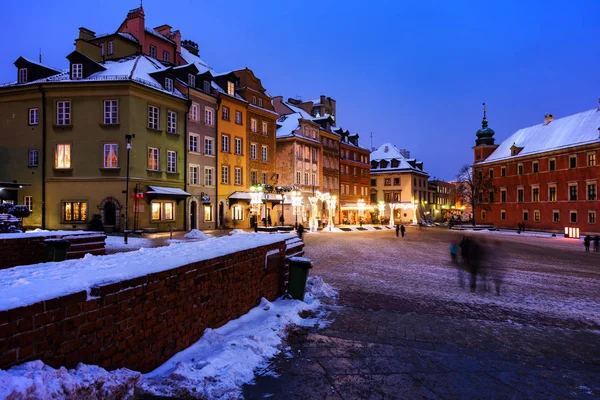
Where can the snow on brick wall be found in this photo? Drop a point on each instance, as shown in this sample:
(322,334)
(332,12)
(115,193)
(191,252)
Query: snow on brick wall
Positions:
(140,323)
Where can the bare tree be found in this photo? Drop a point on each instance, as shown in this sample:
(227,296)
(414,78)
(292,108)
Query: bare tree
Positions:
(474,188)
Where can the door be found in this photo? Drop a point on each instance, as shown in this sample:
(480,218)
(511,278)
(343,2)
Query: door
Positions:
(193,215)
(110,214)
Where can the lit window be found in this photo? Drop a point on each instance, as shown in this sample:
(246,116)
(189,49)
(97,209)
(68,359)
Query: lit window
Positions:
(111,112)
(34,116)
(74,211)
(62,158)
(230,88)
(591,159)
(238,146)
(536,215)
(237,213)
(172,122)
(208,146)
(535,194)
(63,113)
(153,159)
(153,117)
(171,161)
(552,193)
(194,142)
(28,202)
(194,174)
(22,75)
(208,214)
(110,48)
(156,212)
(111,155)
(169,84)
(34,157)
(225,143)
(169,211)
(192,80)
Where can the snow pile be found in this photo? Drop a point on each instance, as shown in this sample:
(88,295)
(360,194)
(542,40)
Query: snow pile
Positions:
(317,288)
(196,234)
(238,232)
(116,243)
(40,233)
(35,380)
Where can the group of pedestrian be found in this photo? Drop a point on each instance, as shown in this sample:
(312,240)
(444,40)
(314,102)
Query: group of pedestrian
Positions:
(521,227)
(400,229)
(479,261)
(588,240)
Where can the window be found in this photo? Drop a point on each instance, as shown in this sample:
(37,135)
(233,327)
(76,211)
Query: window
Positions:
(306,178)
(194,174)
(535,167)
(298,178)
(171,122)
(253,177)
(225,143)
(591,159)
(111,112)
(502,171)
(192,80)
(573,192)
(153,117)
(225,113)
(374,182)
(237,213)
(207,86)
(536,215)
(238,117)
(491,174)
(238,176)
(208,116)
(230,88)
(76,71)
(102,49)
(555,215)
(74,211)
(62,156)
(169,84)
(169,211)
(208,213)
(260,102)
(253,125)
(110,48)
(264,178)
(396,182)
(171,161)
(314,181)
(194,143)
(34,157)
(520,169)
(552,165)
(535,194)
(225,174)
(387,182)
(253,99)
(34,116)
(194,112)
(209,176)
(209,146)
(265,154)
(165,56)
(63,113)
(573,162)
(28,202)
(265,130)
(238,146)
(156,212)
(552,193)
(503,215)
(483,214)
(22,75)
(314,155)
(253,151)
(573,216)
(491,196)
(354,170)
(591,191)
(111,155)
(503,195)
(153,159)
(591,216)
(525,215)
(520,195)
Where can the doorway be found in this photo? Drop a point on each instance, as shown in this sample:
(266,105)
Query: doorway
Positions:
(193,215)
(110,214)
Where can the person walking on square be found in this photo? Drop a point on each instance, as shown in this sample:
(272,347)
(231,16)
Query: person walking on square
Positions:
(586,243)
(397,230)
(402,230)
(269,220)
(300,230)
(597,243)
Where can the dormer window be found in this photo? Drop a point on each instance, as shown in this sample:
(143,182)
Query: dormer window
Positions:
(254,100)
(207,86)
(110,48)
(260,102)
(192,80)
(22,75)
(76,71)
(165,56)
(102,49)
(230,88)
(152,51)
(169,84)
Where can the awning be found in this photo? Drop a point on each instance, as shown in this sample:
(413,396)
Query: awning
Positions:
(167,191)
(267,197)
(13,185)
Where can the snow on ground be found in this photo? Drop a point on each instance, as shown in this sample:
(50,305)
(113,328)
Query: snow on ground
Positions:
(40,233)
(215,367)
(196,234)
(28,284)
(114,243)
(238,232)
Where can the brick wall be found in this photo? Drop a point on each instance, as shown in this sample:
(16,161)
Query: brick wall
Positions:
(140,323)
(30,250)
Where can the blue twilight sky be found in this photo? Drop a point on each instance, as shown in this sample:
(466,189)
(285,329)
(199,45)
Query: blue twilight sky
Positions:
(412,73)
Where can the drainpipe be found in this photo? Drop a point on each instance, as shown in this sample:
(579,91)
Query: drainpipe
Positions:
(44,134)
(216,211)
(185,157)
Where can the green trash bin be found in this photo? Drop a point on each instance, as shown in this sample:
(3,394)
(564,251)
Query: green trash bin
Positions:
(55,249)
(299,267)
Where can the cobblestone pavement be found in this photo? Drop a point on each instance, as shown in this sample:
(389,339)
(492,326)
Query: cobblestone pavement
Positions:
(403,327)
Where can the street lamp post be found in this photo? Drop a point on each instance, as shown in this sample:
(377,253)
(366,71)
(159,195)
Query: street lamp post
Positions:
(126,230)
(361,210)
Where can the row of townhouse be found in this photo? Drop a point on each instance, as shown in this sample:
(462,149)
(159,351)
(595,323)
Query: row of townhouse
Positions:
(141,126)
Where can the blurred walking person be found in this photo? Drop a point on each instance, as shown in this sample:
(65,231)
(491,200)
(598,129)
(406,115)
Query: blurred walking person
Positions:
(397,230)
(496,273)
(454,258)
(586,243)
(402,230)
(597,243)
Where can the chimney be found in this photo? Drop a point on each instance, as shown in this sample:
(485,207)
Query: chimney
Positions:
(548,118)
(176,37)
(135,24)
(164,30)
(86,34)
(404,153)
(191,46)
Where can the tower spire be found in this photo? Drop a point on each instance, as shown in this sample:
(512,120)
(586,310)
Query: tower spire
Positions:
(484,122)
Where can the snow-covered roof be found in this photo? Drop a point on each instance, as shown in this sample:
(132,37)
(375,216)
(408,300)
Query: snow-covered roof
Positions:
(191,58)
(29,60)
(155,33)
(388,152)
(574,130)
(128,36)
(289,125)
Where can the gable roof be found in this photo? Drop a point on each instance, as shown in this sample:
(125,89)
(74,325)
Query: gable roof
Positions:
(388,152)
(194,59)
(574,130)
